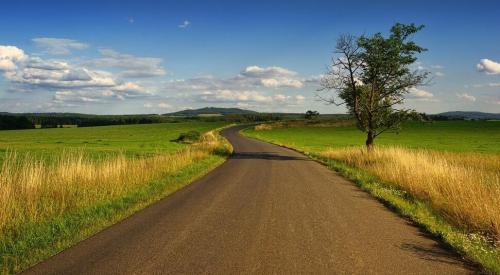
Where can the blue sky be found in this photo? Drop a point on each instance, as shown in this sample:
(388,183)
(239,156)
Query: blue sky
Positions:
(115,57)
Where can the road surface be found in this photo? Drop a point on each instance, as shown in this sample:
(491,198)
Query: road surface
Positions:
(266,210)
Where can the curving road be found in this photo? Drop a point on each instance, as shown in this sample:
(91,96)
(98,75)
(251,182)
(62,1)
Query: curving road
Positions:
(266,210)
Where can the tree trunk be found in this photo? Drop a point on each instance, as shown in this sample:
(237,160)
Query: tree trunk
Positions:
(369,140)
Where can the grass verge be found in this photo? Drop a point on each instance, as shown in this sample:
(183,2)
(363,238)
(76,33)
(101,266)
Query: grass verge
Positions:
(87,201)
(473,246)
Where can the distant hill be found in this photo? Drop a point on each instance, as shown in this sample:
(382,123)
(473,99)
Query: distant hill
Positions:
(212,111)
(469,115)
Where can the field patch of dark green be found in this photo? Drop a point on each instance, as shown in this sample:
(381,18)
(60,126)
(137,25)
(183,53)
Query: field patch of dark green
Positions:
(132,140)
(457,136)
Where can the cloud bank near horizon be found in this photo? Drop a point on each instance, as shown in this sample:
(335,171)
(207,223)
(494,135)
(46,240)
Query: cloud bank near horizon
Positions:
(62,80)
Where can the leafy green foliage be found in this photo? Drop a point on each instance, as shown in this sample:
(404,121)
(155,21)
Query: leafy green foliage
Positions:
(14,123)
(372,74)
(189,137)
(311,114)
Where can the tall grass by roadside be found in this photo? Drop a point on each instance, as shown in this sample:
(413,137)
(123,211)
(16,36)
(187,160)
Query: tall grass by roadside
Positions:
(453,195)
(35,192)
(464,188)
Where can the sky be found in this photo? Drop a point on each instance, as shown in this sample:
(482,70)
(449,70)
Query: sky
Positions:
(130,57)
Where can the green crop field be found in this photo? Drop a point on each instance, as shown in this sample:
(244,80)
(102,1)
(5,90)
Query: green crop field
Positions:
(458,136)
(138,139)
(90,178)
(451,188)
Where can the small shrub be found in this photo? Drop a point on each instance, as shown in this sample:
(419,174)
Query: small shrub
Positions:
(189,137)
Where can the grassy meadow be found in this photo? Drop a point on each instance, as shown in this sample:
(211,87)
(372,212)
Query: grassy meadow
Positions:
(444,175)
(455,136)
(59,186)
(131,140)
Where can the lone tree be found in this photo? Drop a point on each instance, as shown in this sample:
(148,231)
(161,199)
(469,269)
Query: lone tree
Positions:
(372,74)
(311,114)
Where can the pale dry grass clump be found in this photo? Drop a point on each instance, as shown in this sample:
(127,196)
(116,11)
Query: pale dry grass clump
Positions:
(302,123)
(32,190)
(463,187)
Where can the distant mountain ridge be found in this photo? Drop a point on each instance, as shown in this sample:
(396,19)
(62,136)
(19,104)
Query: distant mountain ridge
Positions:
(212,111)
(470,115)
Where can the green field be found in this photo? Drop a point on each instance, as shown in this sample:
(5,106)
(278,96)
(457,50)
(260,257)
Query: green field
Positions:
(138,139)
(458,136)
(448,189)
(49,205)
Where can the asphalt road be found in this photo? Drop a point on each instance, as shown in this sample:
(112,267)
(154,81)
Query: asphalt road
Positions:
(266,210)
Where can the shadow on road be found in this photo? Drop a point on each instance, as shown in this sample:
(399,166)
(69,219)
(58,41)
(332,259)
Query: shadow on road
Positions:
(265,155)
(438,253)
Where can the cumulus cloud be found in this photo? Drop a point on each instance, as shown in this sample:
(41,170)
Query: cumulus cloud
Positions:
(289,99)
(253,86)
(491,84)
(164,105)
(420,94)
(69,82)
(76,97)
(466,97)
(184,24)
(233,96)
(247,98)
(161,105)
(488,66)
(9,56)
(281,82)
(130,66)
(58,75)
(59,46)
(269,72)
(272,77)
(250,78)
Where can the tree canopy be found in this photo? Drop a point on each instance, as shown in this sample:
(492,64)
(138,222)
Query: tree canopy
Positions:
(372,74)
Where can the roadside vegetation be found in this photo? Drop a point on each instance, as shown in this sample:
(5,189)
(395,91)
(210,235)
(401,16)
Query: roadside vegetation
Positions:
(443,175)
(52,202)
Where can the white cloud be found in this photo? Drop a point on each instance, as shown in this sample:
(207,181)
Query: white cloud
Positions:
(39,73)
(491,84)
(272,77)
(247,98)
(184,24)
(466,97)
(420,94)
(78,97)
(440,74)
(68,82)
(251,78)
(488,66)
(9,56)
(289,100)
(233,96)
(59,46)
(281,82)
(164,105)
(131,66)
(269,72)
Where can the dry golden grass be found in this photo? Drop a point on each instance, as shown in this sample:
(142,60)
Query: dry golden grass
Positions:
(463,187)
(32,190)
(302,123)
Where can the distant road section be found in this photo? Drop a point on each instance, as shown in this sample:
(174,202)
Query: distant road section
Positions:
(267,210)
